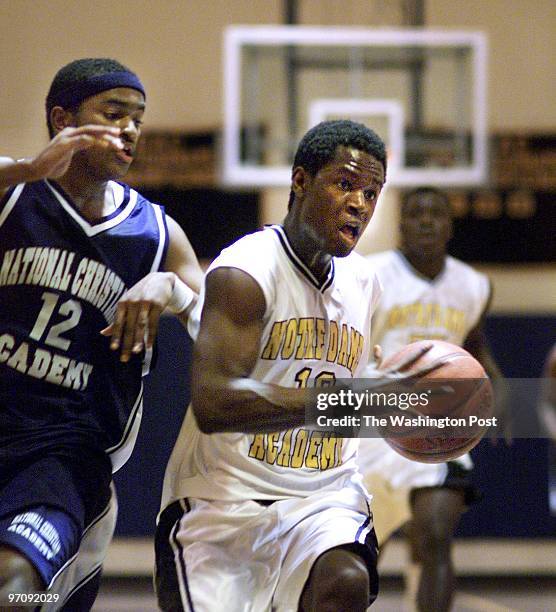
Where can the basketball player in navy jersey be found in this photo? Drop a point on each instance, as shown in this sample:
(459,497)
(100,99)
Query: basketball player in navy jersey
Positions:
(80,253)
(427,295)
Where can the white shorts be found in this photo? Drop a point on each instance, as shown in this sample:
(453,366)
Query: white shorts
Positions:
(250,557)
(390,478)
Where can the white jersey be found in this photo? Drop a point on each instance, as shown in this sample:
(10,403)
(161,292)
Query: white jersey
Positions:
(313,333)
(414,308)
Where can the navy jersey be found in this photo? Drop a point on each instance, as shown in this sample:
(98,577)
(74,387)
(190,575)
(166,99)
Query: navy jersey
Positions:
(61,387)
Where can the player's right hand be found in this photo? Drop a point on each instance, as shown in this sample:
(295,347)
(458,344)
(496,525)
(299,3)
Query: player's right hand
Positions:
(54,160)
(402,370)
(401,376)
(135,324)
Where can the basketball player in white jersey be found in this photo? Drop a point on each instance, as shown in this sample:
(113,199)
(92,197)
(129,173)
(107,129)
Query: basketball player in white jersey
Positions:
(427,295)
(259,510)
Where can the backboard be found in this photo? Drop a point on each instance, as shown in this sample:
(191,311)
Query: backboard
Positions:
(423,91)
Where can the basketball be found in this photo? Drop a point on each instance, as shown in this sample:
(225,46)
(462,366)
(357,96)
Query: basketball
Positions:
(456,410)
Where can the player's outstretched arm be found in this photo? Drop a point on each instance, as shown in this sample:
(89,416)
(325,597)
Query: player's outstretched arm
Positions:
(223,396)
(181,258)
(54,160)
(138,312)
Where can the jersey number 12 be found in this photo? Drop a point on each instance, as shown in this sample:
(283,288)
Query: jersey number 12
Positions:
(71,308)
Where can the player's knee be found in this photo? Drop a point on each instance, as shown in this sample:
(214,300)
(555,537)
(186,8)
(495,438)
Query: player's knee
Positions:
(340,582)
(432,539)
(438,528)
(433,530)
(17,575)
(435,536)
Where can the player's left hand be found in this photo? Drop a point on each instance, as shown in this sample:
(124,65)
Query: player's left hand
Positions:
(138,312)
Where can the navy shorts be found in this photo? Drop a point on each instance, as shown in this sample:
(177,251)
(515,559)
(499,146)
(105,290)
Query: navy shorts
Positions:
(49,509)
(46,536)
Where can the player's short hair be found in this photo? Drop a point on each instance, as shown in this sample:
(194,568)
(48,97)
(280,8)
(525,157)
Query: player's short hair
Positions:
(318,147)
(86,77)
(425,190)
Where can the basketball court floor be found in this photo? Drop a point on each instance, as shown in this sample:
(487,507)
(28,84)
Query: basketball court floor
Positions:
(493,576)
(474,595)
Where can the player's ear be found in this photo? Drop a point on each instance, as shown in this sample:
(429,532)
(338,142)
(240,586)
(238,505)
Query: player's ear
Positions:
(60,118)
(299,181)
